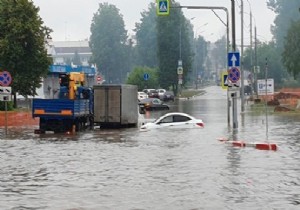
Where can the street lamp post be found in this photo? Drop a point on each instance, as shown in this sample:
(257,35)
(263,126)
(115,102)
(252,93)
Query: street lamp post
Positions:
(252,66)
(234,95)
(242,63)
(227,32)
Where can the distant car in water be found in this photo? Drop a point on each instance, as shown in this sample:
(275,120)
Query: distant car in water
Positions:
(168,96)
(153,104)
(174,120)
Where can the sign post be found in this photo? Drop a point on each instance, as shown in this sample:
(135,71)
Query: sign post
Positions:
(180,75)
(234,76)
(5,91)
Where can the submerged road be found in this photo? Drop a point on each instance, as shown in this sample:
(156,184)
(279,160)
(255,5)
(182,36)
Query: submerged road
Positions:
(128,169)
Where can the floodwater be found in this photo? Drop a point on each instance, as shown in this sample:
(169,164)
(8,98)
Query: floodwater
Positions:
(129,170)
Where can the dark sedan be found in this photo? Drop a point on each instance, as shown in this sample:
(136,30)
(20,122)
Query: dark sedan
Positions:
(153,104)
(168,96)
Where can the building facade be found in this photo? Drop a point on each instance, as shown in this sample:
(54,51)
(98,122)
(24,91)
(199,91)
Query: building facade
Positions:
(67,52)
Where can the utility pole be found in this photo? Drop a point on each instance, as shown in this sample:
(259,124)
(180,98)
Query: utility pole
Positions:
(233,25)
(180,68)
(242,61)
(255,58)
(251,56)
(234,95)
(266,92)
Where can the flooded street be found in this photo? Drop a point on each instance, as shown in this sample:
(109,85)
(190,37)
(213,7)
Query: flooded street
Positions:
(163,169)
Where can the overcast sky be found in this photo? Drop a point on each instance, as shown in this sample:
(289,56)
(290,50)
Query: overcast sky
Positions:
(71,19)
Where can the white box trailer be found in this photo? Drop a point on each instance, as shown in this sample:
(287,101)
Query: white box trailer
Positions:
(115,105)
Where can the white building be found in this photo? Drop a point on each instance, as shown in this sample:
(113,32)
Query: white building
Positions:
(64,51)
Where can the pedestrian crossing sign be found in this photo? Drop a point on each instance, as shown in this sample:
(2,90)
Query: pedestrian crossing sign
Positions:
(163,7)
(224,80)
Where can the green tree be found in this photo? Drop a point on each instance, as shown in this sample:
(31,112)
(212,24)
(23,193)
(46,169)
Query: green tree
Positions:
(200,55)
(286,12)
(108,42)
(174,43)
(146,38)
(23,45)
(291,53)
(218,59)
(270,62)
(219,53)
(136,77)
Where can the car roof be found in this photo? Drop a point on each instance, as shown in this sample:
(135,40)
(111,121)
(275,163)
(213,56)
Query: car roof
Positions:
(148,89)
(178,113)
(174,113)
(148,99)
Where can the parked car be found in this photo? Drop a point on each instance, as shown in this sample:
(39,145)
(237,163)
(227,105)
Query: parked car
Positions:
(153,94)
(168,96)
(161,93)
(153,104)
(174,120)
(142,95)
(147,90)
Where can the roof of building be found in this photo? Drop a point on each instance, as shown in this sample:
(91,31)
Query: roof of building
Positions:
(83,43)
(70,47)
(72,50)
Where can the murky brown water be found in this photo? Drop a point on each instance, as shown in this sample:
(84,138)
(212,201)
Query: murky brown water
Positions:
(128,169)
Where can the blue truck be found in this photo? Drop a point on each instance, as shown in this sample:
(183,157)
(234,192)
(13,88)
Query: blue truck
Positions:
(71,111)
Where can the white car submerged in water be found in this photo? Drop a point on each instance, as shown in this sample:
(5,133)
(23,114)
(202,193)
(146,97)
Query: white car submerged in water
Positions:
(173,120)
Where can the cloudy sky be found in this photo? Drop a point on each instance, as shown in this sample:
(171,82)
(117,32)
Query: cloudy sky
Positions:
(71,19)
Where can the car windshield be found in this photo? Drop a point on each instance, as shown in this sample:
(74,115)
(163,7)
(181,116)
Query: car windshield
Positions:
(146,100)
(168,119)
(156,101)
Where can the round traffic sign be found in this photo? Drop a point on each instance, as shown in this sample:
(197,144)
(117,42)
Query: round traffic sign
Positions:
(5,78)
(234,74)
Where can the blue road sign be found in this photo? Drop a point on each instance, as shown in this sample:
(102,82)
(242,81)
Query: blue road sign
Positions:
(163,7)
(233,59)
(146,76)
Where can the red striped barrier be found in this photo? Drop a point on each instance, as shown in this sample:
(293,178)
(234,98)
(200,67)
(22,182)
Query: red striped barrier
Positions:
(260,146)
